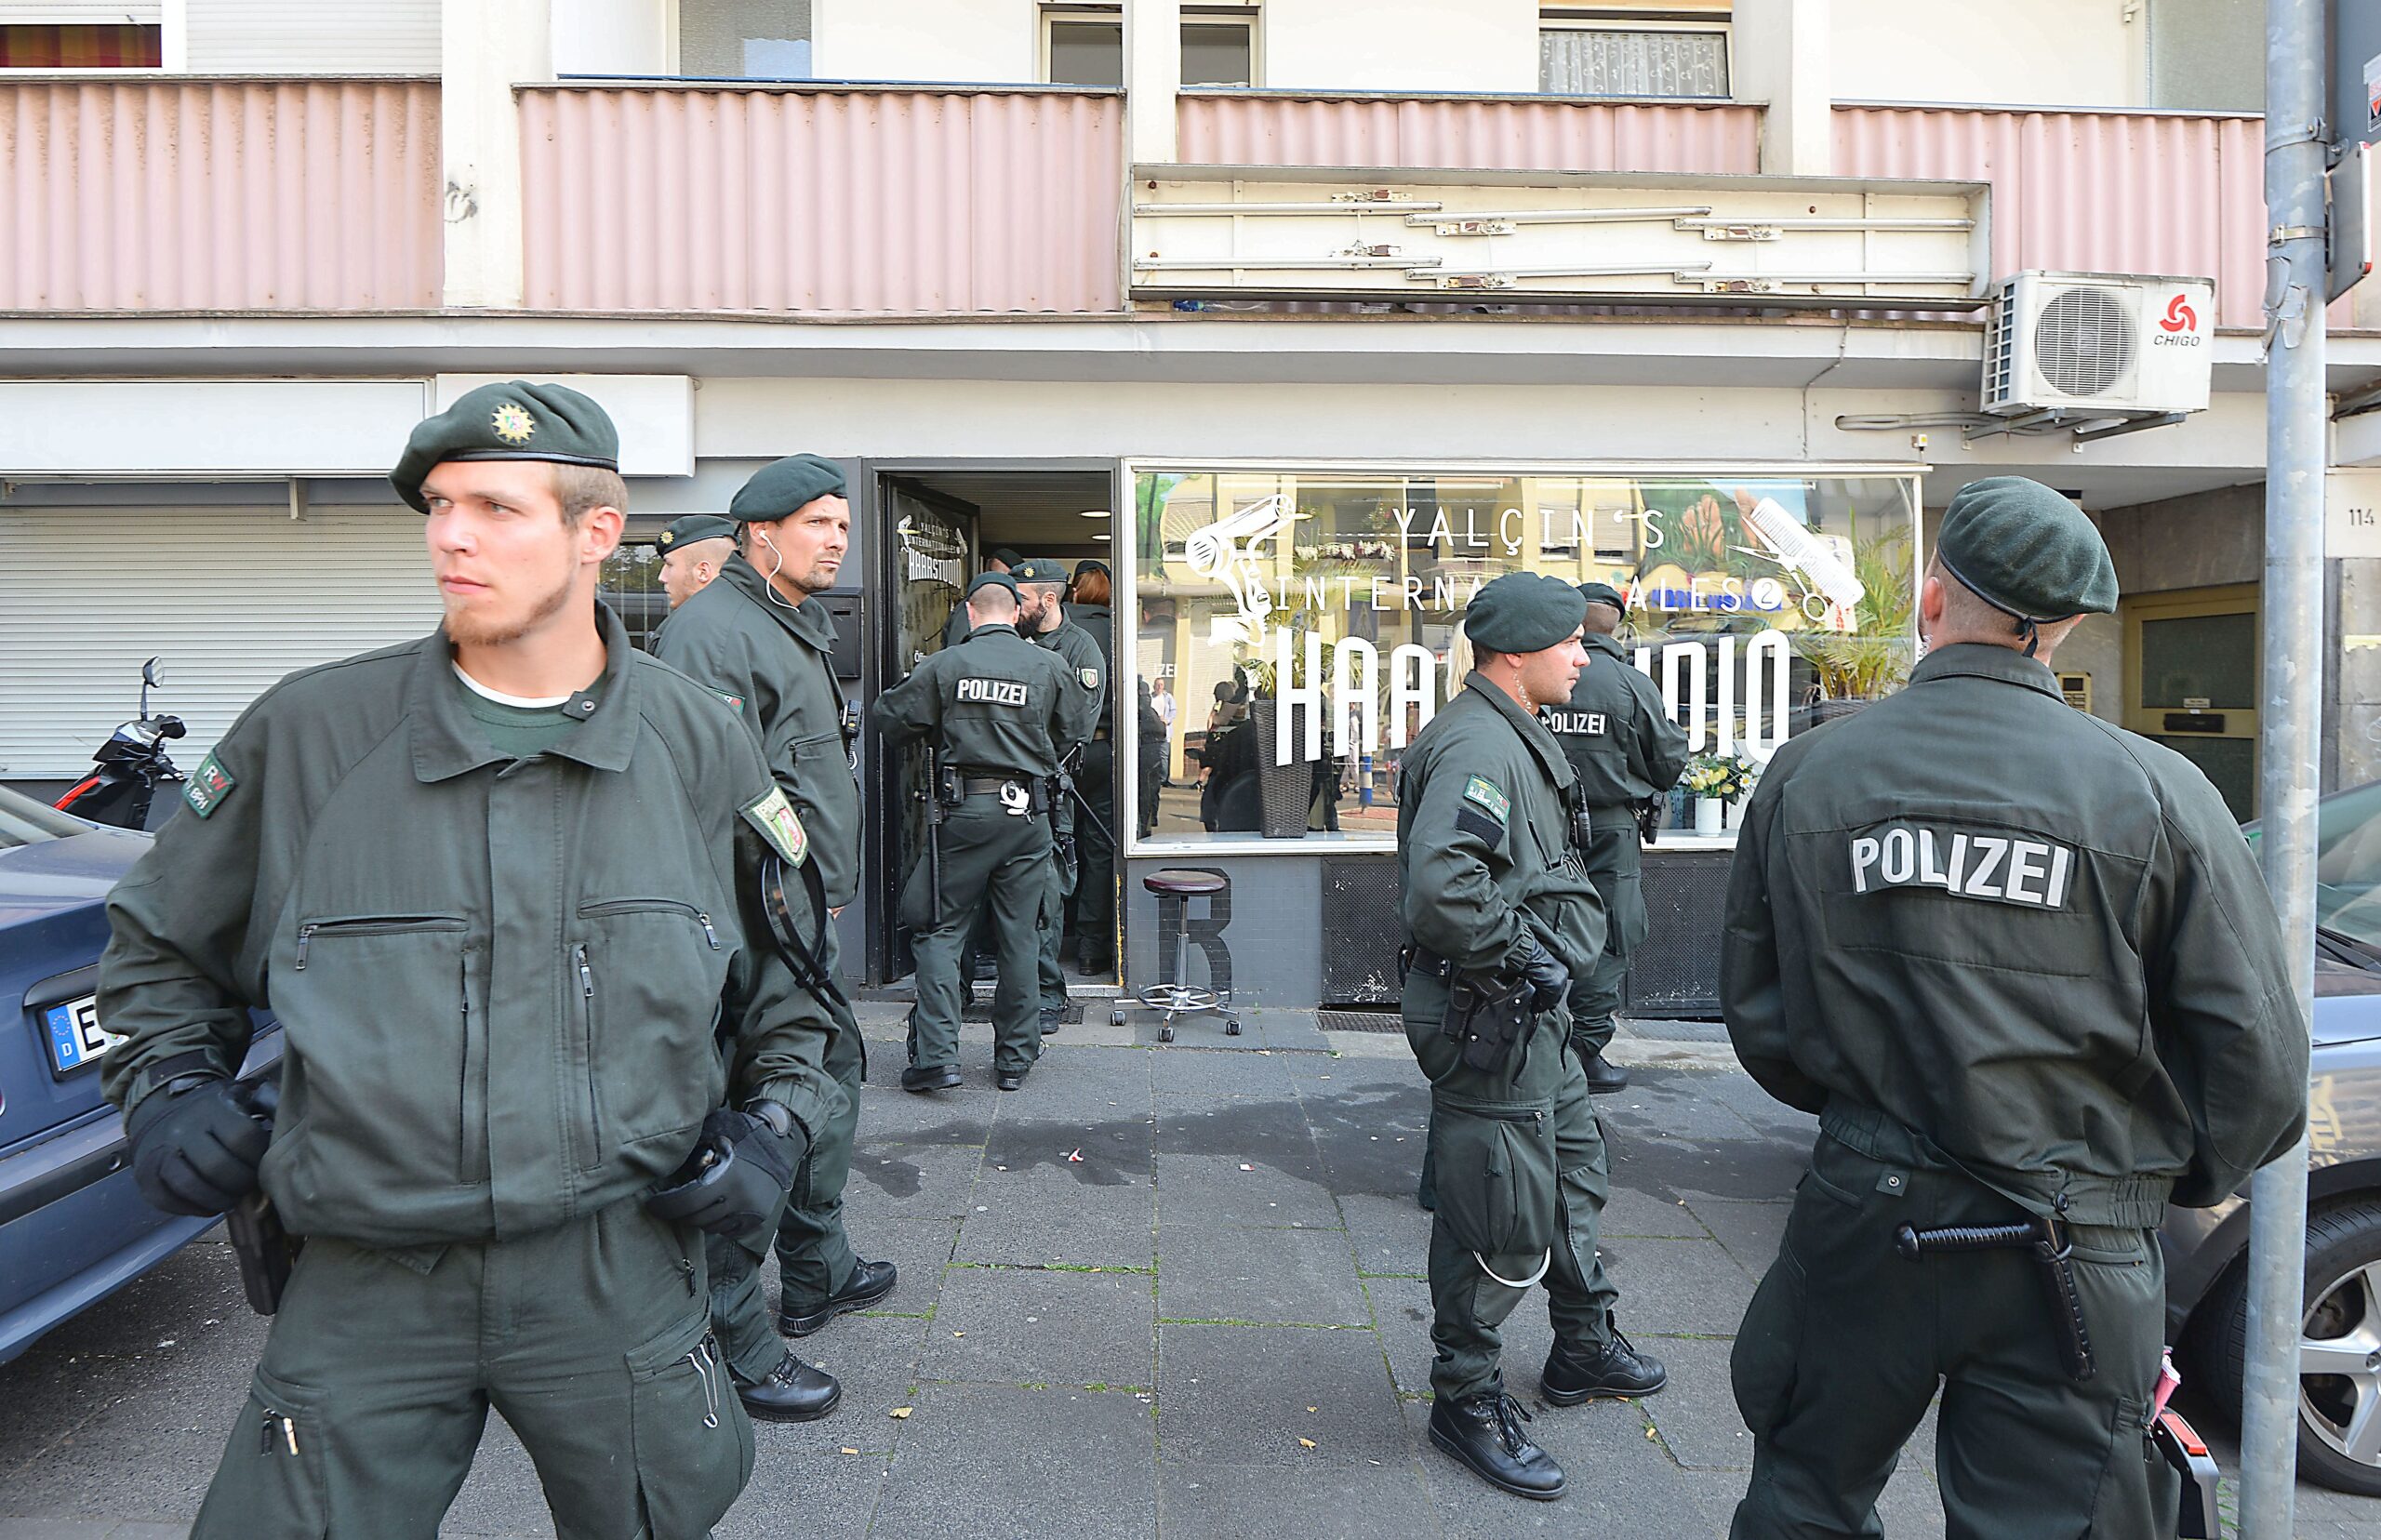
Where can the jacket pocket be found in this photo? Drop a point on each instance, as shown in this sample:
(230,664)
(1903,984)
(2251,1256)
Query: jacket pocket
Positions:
(378,1011)
(1499,1189)
(690,1438)
(1762,1364)
(273,1484)
(646,978)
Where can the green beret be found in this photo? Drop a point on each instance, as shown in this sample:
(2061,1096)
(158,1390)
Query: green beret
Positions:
(1039,570)
(993,580)
(2027,552)
(1091,564)
(1523,612)
(786,487)
(1604,594)
(693,528)
(515,421)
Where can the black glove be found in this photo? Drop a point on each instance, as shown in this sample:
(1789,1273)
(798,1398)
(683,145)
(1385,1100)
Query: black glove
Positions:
(197,1151)
(1550,981)
(739,1171)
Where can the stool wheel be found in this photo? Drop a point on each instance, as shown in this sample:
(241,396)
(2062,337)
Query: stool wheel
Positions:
(1165,1032)
(1231,1027)
(1116,1018)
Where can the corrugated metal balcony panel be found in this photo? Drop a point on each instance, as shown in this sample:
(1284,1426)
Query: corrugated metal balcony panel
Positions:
(884,202)
(167,195)
(1466,133)
(2090,192)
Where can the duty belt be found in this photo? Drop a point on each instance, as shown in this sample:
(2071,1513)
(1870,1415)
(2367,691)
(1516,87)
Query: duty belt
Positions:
(988,786)
(1412,959)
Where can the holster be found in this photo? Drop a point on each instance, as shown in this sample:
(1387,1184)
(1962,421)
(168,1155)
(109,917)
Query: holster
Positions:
(1649,819)
(1487,1019)
(265,1250)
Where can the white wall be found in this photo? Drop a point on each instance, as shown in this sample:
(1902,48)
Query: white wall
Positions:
(2068,53)
(612,36)
(311,36)
(995,41)
(1401,45)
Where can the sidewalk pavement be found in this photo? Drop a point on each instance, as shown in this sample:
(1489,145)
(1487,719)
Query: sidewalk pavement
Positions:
(1161,1291)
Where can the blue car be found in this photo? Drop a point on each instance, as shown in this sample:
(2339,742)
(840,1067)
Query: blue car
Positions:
(73,1229)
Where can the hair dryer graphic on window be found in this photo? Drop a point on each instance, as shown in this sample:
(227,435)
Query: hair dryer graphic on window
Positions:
(1798,550)
(1227,552)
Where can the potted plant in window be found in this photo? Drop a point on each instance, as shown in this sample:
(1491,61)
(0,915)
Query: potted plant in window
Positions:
(1715,780)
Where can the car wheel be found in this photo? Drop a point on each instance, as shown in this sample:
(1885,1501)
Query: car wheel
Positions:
(2339,1349)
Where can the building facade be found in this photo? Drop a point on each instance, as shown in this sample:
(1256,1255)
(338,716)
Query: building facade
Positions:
(1307,316)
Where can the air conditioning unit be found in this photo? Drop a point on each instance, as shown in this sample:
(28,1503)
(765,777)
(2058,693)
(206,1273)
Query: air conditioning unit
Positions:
(2098,342)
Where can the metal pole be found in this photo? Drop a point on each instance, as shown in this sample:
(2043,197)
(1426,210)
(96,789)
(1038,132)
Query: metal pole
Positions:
(2295,422)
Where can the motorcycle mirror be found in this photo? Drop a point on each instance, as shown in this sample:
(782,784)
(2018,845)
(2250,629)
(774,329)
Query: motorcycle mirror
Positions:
(149,680)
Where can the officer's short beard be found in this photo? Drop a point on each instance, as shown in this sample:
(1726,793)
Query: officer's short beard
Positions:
(809,582)
(465,630)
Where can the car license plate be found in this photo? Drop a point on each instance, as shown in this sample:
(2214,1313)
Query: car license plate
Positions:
(76,1039)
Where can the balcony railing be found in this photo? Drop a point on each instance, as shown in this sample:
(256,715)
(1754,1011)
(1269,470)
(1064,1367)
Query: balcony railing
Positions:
(187,194)
(2092,191)
(1466,133)
(668,196)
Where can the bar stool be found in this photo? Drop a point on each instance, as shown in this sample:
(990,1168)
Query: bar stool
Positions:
(1175,888)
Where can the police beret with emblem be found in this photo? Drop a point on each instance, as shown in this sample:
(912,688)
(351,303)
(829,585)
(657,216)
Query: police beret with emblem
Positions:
(2027,550)
(781,489)
(693,528)
(1041,569)
(514,421)
(1524,612)
(1602,594)
(993,580)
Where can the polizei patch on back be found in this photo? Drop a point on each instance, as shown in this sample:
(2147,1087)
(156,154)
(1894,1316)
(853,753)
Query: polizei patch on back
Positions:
(2004,867)
(1583,724)
(992,692)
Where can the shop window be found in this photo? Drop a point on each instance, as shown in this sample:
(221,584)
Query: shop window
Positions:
(82,48)
(1601,51)
(744,39)
(631,585)
(1308,624)
(1086,47)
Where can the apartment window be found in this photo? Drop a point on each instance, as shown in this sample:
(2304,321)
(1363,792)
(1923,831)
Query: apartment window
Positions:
(1604,51)
(81,47)
(1086,47)
(744,39)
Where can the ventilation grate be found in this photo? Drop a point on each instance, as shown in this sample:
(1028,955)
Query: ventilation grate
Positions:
(2083,341)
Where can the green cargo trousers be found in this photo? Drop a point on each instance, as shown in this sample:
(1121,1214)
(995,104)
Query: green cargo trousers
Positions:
(994,860)
(1616,866)
(1845,1342)
(1050,976)
(591,1339)
(1518,1161)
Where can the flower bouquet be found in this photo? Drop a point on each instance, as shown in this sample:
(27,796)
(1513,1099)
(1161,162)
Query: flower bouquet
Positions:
(1716,781)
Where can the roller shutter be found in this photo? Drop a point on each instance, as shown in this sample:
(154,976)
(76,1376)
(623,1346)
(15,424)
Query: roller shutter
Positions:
(230,599)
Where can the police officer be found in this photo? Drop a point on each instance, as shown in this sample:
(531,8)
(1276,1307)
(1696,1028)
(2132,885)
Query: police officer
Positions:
(998,707)
(1499,917)
(496,884)
(955,631)
(1094,909)
(1041,585)
(1624,749)
(2020,964)
(761,641)
(692,551)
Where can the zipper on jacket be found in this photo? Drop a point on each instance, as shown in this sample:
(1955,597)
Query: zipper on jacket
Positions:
(653,905)
(390,926)
(595,1104)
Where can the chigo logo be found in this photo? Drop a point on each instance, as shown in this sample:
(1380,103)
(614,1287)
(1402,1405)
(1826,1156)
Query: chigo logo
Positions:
(2179,326)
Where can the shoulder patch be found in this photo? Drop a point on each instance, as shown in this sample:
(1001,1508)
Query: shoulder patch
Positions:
(735,700)
(208,785)
(1090,678)
(1480,789)
(774,817)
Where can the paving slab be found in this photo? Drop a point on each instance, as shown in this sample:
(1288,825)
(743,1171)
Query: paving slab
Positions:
(1044,1217)
(1629,1212)
(1676,1286)
(1313,1501)
(1751,1232)
(1006,1463)
(1248,1395)
(1696,1412)
(898,1181)
(1261,1275)
(876,1358)
(1220,1073)
(828,1495)
(502,1495)
(1022,1326)
(1389,1235)
(1232,1189)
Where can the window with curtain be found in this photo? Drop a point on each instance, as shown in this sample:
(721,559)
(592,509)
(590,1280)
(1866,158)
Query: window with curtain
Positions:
(1617,62)
(82,48)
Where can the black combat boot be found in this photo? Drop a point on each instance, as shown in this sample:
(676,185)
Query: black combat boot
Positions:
(793,1391)
(930,1077)
(869,1281)
(1603,1076)
(1053,1018)
(1573,1375)
(1485,1433)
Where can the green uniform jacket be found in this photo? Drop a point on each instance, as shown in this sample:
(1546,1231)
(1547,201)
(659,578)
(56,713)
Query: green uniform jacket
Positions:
(499,979)
(774,663)
(1000,705)
(1615,733)
(1097,622)
(2037,939)
(1086,671)
(1484,839)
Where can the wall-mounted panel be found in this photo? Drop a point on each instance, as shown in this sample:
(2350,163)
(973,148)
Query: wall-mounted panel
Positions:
(1459,133)
(874,201)
(192,195)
